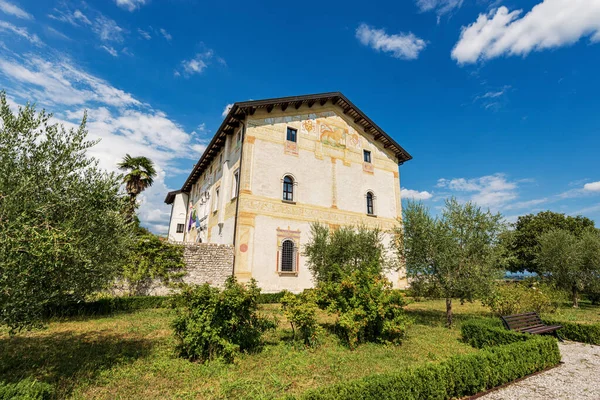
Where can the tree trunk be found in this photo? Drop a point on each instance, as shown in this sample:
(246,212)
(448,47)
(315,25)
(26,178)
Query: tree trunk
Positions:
(132,204)
(575,297)
(448,312)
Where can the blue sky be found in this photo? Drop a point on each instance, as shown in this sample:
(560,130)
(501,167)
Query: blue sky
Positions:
(496,100)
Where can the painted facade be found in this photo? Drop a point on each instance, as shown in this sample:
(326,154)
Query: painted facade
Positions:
(244,195)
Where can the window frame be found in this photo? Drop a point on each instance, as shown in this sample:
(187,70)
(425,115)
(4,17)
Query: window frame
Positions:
(216,199)
(295,134)
(288,193)
(367,154)
(370,202)
(182,228)
(236,184)
(292,257)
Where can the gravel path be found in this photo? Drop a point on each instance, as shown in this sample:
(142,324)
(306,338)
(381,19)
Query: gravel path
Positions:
(577,378)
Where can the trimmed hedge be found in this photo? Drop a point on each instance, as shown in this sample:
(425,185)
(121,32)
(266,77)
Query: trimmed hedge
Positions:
(585,333)
(488,333)
(108,306)
(27,389)
(270,298)
(459,376)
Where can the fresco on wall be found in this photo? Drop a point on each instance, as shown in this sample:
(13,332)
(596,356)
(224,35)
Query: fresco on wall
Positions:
(332,133)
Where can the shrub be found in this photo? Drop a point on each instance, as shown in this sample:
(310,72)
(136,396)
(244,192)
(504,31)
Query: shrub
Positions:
(218,324)
(151,259)
(369,310)
(108,305)
(270,298)
(27,389)
(301,311)
(585,333)
(519,297)
(488,333)
(459,376)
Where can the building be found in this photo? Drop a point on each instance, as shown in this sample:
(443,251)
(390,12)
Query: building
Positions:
(275,166)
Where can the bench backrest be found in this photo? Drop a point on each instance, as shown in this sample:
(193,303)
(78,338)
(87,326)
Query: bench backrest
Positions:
(518,322)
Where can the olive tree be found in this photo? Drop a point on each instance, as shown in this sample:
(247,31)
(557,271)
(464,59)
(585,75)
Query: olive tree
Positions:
(63,228)
(453,255)
(570,262)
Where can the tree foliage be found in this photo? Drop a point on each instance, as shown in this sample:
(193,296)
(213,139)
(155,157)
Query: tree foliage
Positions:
(332,255)
(151,259)
(211,323)
(571,262)
(301,311)
(63,232)
(450,256)
(139,177)
(523,243)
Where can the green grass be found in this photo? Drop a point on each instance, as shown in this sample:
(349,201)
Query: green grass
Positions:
(130,356)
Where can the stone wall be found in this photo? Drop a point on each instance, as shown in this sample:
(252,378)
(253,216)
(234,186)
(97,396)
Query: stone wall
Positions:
(205,263)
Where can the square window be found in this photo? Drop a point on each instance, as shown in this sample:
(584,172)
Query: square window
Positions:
(367,156)
(291,134)
(180,228)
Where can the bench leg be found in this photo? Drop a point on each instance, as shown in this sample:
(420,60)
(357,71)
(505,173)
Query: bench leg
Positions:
(558,336)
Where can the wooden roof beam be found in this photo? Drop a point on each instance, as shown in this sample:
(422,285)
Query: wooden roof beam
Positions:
(297,105)
(322,102)
(270,108)
(284,106)
(310,103)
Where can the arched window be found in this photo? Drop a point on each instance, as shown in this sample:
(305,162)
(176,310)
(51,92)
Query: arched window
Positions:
(288,188)
(288,256)
(370,204)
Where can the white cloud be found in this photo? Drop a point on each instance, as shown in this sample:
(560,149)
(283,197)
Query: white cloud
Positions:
(73,18)
(441,7)
(592,187)
(130,5)
(226,110)
(107,29)
(57,33)
(199,63)
(550,24)
(405,46)
(415,194)
(11,9)
(144,34)
(22,32)
(61,83)
(111,51)
(121,122)
(165,34)
(489,191)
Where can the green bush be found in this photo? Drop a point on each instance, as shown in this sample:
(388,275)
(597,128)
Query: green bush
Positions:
(519,297)
(27,389)
(106,306)
(368,309)
(151,259)
(585,333)
(301,311)
(270,298)
(218,324)
(488,333)
(459,376)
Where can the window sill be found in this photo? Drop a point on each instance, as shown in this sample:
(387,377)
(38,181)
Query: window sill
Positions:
(288,201)
(372,215)
(287,273)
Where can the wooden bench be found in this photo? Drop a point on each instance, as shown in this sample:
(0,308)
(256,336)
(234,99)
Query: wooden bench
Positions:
(530,323)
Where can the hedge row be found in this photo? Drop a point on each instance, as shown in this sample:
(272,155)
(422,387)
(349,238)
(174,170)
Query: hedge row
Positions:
(459,376)
(488,333)
(585,333)
(112,305)
(108,306)
(27,389)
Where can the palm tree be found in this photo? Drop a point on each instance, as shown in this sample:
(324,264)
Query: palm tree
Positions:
(140,176)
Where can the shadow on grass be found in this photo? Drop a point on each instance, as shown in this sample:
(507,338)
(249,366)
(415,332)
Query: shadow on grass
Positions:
(63,359)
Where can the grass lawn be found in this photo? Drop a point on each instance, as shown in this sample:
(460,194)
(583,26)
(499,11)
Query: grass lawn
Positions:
(130,356)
